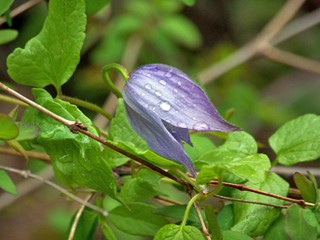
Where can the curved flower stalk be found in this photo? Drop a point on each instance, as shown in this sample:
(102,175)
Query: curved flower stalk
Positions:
(162,103)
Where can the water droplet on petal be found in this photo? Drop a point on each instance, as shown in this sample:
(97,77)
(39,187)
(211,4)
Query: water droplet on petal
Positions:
(194,105)
(158,93)
(134,77)
(165,106)
(143,94)
(147,86)
(200,126)
(179,83)
(168,74)
(175,90)
(148,75)
(163,82)
(182,125)
(194,118)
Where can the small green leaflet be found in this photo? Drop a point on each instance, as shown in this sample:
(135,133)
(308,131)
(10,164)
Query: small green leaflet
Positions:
(175,232)
(141,186)
(297,140)
(8,35)
(76,159)
(307,188)
(238,155)
(8,129)
(53,55)
(5,5)
(6,183)
(296,225)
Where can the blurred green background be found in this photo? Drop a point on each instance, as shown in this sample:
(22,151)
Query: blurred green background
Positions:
(264,94)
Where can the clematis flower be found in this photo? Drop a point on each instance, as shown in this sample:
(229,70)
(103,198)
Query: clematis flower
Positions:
(162,103)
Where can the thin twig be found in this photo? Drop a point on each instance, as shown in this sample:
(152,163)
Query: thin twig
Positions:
(241,187)
(247,201)
(22,8)
(252,48)
(76,219)
(203,225)
(37,106)
(291,59)
(28,174)
(161,198)
(40,156)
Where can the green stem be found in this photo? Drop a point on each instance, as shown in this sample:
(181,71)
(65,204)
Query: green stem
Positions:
(107,80)
(12,100)
(133,170)
(59,93)
(185,177)
(274,163)
(87,105)
(218,188)
(192,200)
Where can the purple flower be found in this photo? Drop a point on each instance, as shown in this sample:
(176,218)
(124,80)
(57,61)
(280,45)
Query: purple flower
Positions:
(162,103)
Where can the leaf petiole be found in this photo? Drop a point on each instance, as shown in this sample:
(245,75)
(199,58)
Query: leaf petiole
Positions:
(107,80)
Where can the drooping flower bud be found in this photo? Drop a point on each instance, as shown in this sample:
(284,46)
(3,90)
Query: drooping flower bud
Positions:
(162,103)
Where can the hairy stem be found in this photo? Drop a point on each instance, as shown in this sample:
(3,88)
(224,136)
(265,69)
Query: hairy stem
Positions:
(87,105)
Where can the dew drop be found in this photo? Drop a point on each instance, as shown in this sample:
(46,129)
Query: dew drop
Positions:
(194,118)
(133,77)
(147,86)
(194,105)
(153,69)
(165,106)
(200,126)
(168,74)
(158,93)
(179,83)
(148,75)
(182,125)
(143,94)
(175,90)
(163,82)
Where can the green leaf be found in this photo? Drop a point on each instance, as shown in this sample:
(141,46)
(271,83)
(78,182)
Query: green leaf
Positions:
(86,226)
(178,211)
(307,188)
(297,140)
(27,131)
(8,130)
(254,219)
(6,183)
(276,230)
(5,5)
(8,35)
(93,6)
(213,223)
(141,187)
(114,158)
(76,159)
(182,30)
(296,226)
(201,145)
(17,146)
(207,173)
(238,156)
(231,235)
(53,55)
(107,232)
(175,232)
(139,220)
(123,136)
(226,217)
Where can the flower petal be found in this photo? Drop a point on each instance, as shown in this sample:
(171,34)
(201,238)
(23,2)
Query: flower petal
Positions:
(174,97)
(178,133)
(153,131)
